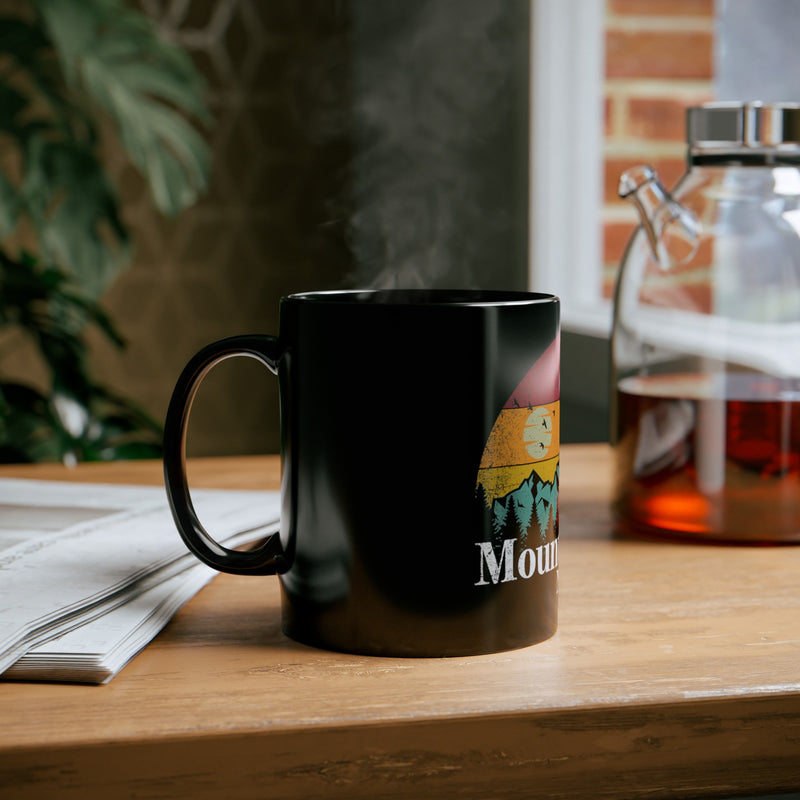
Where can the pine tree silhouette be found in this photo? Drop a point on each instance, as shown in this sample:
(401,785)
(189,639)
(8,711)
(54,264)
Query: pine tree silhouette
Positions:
(546,500)
(523,506)
(481,496)
(500,517)
(512,526)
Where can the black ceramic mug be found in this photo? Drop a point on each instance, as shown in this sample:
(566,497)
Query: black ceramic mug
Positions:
(420,477)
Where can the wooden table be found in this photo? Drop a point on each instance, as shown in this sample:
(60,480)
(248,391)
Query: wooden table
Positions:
(675,673)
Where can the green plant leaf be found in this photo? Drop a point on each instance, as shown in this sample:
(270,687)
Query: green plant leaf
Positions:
(28,432)
(23,42)
(32,74)
(74,209)
(176,165)
(9,207)
(148,86)
(34,427)
(42,303)
(12,103)
(61,70)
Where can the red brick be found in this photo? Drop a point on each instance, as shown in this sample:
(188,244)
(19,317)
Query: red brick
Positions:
(615,239)
(657,119)
(663,8)
(659,54)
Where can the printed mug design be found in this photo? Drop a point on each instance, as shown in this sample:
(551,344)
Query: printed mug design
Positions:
(517,479)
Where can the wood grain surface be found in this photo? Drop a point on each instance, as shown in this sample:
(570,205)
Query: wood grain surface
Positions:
(674,673)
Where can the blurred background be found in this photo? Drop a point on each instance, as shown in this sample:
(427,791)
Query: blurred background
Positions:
(364,143)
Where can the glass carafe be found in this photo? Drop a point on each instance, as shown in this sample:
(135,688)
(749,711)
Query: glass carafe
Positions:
(706,338)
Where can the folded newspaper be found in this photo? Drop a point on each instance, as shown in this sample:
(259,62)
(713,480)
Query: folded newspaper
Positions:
(89,573)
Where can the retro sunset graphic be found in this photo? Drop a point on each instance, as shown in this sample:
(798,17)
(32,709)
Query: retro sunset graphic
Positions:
(518,473)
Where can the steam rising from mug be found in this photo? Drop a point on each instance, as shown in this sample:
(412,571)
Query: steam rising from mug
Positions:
(438,117)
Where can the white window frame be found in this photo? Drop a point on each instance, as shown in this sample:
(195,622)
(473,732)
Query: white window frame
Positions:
(566,166)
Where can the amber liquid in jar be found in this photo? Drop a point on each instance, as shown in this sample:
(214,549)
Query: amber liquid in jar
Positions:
(713,457)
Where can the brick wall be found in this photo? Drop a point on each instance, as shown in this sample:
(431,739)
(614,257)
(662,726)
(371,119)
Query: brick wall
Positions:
(659,61)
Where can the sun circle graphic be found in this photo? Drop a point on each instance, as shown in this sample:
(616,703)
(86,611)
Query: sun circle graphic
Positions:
(538,432)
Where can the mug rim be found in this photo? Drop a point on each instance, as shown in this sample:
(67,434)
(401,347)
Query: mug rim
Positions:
(424,297)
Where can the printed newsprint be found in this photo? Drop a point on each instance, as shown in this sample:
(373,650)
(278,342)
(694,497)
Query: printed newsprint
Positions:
(89,573)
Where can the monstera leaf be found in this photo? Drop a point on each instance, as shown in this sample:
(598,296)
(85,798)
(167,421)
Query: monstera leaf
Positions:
(111,53)
(75,64)
(68,196)
(71,72)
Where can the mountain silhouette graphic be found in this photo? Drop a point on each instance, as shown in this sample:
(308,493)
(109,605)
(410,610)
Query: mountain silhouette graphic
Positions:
(529,510)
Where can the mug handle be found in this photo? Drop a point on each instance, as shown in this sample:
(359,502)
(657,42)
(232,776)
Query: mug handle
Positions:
(264,560)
